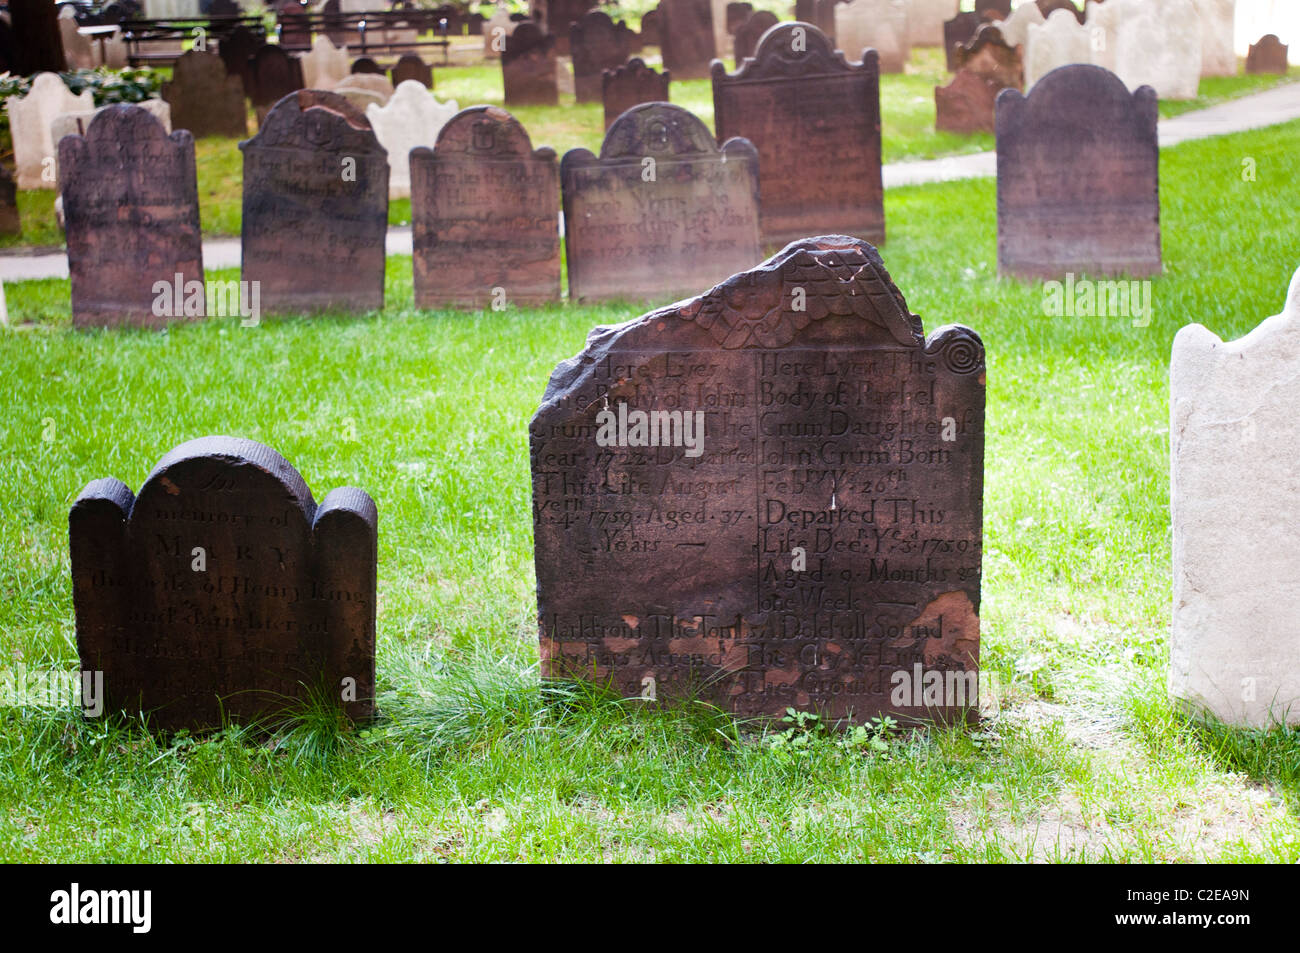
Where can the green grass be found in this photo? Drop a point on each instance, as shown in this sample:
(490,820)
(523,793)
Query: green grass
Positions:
(428,411)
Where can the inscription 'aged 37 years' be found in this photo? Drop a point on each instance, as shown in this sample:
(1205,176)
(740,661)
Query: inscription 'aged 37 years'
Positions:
(768,496)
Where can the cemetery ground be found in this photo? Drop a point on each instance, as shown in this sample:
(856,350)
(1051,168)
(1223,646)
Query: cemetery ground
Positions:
(1080,756)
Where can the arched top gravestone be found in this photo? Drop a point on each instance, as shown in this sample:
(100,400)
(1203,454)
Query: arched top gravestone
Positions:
(631,84)
(596,43)
(222,591)
(768,496)
(748,31)
(528,65)
(204,98)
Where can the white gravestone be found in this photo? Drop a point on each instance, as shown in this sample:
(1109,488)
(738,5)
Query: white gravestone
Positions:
(76,46)
(1015,28)
(925,20)
(1058,42)
(325,65)
(29,122)
(413,117)
(1161,48)
(877,24)
(1218,58)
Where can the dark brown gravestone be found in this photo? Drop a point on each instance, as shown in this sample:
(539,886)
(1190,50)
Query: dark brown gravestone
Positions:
(746,38)
(1269,55)
(662,211)
(966,105)
(204,98)
(989,55)
(275,74)
(596,43)
(805,11)
(768,497)
(528,66)
(411,66)
(825,18)
(236,52)
(630,85)
(738,13)
(485,209)
(957,32)
(1048,7)
(686,37)
(364,64)
(1078,177)
(562,14)
(650,28)
(315,206)
(10,223)
(223,592)
(993,9)
(131,213)
(815,119)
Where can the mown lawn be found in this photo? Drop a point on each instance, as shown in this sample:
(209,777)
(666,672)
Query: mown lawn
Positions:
(1082,757)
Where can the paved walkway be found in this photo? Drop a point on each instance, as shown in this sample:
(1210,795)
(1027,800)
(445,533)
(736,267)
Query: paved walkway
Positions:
(1277,105)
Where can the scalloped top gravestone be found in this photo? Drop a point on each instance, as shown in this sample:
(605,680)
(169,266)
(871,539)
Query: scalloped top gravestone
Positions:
(222,591)
(596,44)
(880,25)
(632,84)
(1015,28)
(131,213)
(1269,55)
(324,65)
(745,38)
(815,120)
(988,54)
(315,206)
(1235,641)
(662,212)
(686,37)
(30,117)
(1059,41)
(1093,207)
(485,215)
(528,68)
(768,496)
(204,98)
(413,117)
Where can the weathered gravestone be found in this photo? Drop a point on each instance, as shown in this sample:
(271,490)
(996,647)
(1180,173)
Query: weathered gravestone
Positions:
(1235,646)
(1269,55)
(324,65)
(1154,43)
(30,118)
(1059,41)
(485,211)
(768,496)
(76,123)
(236,51)
(1015,28)
(745,40)
(413,117)
(274,75)
(815,120)
(596,43)
(738,13)
(315,207)
(223,592)
(989,55)
(411,67)
(957,31)
(630,85)
(967,104)
(528,68)
(686,37)
(131,213)
(362,89)
(204,98)
(77,48)
(562,14)
(662,211)
(880,25)
(1078,177)
(650,28)
(10,222)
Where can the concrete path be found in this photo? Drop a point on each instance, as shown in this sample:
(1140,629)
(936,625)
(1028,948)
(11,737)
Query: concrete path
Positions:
(1277,105)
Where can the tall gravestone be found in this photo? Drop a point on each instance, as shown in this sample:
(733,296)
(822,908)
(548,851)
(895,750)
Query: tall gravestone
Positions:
(223,592)
(661,211)
(412,118)
(745,40)
(315,207)
(204,98)
(815,119)
(1235,642)
(596,43)
(686,37)
(630,85)
(1218,58)
(411,67)
(274,75)
(880,25)
(30,117)
(1078,177)
(528,68)
(131,213)
(1269,55)
(768,496)
(485,213)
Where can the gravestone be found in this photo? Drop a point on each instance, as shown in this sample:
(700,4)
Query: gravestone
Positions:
(496,32)
(596,43)
(30,117)
(1078,177)
(993,9)
(989,55)
(925,19)
(325,65)
(274,75)
(967,104)
(236,51)
(686,37)
(413,117)
(528,68)
(650,28)
(1269,55)
(562,14)
(1048,7)
(76,123)
(805,11)
(815,120)
(1015,28)
(77,49)
(630,85)
(1234,653)
(10,222)
(223,592)
(1160,47)
(315,209)
(957,31)
(485,214)
(204,98)
(411,67)
(824,18)
(661,211)
(1060,41)
(746,36)
(364,64)
(738,13)
(131,213)
(1218,58)
(880,25)
(768,496)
